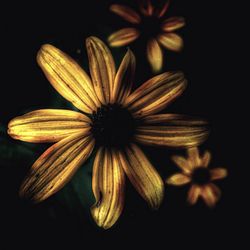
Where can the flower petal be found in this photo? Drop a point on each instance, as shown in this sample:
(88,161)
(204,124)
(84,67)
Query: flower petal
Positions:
(154,54)
(194,157)
(171,41)
(218,173)
(182,163)
(173,23)
(124,78)
(146,7)
(55,167)
(155,94)
(206,159)
(108,187)
(210,194)
(142,175)
(126,13)
(47,125)
(178,180)
(102,68)
(161,12)
(171,130)
(123,37)
(67,77)
(193,194)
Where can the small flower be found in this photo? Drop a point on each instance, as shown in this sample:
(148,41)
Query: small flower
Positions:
(111,118)
(157,31)
(195,171)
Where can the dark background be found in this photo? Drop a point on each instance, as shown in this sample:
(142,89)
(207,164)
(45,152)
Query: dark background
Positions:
(213,93)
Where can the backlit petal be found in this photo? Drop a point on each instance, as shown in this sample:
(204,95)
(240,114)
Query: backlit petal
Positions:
(178,180)
(55,167)
(108,187)
(171,41)
(47,125)
(218,173)
(102,68)
(68,78)
(173,23)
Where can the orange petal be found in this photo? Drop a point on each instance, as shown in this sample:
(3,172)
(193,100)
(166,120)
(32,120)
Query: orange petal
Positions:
(218,173)
(210,194)
(178,180)
(123,37)
(205,160)
(182,163)
(161,12)
(108,184)
(171,41)
(193,194)
(194,157)
(155,94)
(126,13)
(173,23)
(55,167)
(154,54)
(146,7)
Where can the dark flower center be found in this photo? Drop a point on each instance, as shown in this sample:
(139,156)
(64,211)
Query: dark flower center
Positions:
(201,176)
(112,125)
(150,27)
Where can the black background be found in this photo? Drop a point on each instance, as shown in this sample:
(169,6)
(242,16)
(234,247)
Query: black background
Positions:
(207,60)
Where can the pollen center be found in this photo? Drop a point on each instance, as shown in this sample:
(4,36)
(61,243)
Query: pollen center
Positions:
(112,125)
(150,27)
(201,176)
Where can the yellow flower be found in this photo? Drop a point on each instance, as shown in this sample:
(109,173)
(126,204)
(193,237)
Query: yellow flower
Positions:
(157,31)
(112,119)
(195,170)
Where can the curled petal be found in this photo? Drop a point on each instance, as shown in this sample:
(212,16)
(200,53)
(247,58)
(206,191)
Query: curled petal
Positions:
(193,194)
(123,37)
(142,175)
(55,167)
(171,41)
(154,54)
(210,194)
(67,77)
(155,94)
(218,173)
(126,13)
(108,187)
(178,180)
(48,125)
(102,68)
(124,78)
(173,23)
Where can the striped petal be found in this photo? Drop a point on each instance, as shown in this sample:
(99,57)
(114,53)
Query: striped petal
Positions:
(218,173)
(123,37)
(102,68)
(171,130)
(154,54)
(155,94)
(124,78)
(178,180)
(173,23)
(171,41)
(142,175)
(108,187)
(210,194)
(126,13)
(67,77)
(193,194)
(55,167)
(48,125)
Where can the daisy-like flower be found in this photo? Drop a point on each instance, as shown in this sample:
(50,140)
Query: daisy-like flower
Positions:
(155,29)
(111,119)
(195,171)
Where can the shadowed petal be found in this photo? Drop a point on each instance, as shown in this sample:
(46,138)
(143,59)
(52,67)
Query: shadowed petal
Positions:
(142,175)
(108,187)
(55,167)
(218,173)
(193,194)
(67,77)
(123,37)
(210,194)
(178,180)
(102,68)
(161,12)
(154,54)
(205,159)
(155,94)
(171,41)
(173,23)
(47,125)
(126,13)
(124,78)
(146,7)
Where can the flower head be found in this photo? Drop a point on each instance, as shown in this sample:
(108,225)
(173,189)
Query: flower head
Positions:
(112,119)
(152,26)
(195,171)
